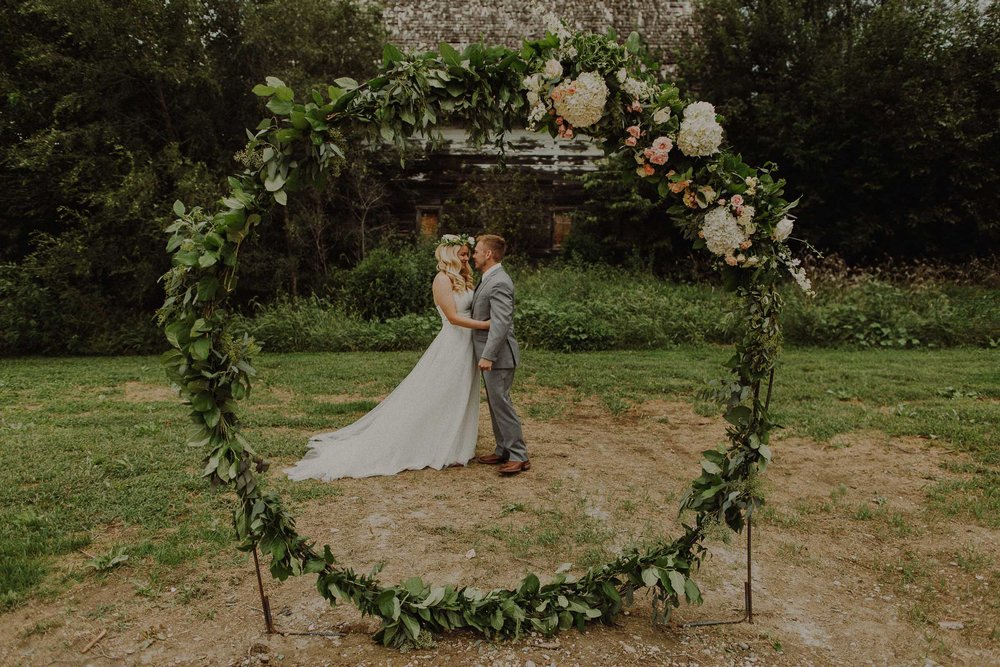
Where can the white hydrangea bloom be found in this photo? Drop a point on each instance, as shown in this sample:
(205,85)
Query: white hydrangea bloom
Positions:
(722,232)
(782,230)
(699,134)
(700,111)
(585,105)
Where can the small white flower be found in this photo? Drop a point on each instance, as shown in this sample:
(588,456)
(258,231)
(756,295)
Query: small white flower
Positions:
(782,230)
(555,25)
(533,97)
(621,75)
(537,113)
(639,90)
(553,69)
(799,274)
(661,116)
(745,217)
(568,52)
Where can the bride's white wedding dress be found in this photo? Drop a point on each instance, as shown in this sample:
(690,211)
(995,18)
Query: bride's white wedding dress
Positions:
(430,420)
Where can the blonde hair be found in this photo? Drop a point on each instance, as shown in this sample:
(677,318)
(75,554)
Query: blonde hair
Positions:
(495,244)
(448,262)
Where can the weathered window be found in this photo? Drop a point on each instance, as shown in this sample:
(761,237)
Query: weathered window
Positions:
(561,223)
(428,218)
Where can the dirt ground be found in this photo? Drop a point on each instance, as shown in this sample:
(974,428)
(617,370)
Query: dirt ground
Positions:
(831,585)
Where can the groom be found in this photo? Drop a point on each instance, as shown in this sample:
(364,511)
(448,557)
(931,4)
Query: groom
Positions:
(498,354)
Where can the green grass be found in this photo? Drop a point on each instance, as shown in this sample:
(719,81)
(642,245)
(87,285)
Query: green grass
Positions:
(85,468)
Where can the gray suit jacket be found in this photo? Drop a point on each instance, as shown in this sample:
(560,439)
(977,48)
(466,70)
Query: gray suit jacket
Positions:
(494,301)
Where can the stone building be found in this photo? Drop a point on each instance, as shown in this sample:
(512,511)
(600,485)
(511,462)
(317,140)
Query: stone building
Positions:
(417,25)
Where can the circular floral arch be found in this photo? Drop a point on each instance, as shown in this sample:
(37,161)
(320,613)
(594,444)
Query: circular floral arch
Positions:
(566,84)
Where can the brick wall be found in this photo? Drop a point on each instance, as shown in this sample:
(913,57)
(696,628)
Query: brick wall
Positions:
(423,24)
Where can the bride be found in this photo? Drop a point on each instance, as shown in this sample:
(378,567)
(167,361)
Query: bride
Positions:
(432,418)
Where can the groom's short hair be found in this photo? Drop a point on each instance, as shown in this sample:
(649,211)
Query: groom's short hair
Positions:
(496,245)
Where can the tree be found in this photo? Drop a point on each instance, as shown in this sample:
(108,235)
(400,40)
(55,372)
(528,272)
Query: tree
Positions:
(883,114)
(113,111)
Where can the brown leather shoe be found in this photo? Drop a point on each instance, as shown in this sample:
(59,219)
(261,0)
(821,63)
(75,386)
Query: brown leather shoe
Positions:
(492,459)
(514,467)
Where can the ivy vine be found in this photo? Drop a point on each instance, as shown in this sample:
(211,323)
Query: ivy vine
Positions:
(482,89)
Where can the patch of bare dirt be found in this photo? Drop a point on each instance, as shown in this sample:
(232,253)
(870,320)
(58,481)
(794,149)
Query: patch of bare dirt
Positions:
(846,562)
(141,392)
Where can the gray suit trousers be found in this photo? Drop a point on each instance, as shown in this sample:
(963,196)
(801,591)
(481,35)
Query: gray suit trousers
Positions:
(506,425)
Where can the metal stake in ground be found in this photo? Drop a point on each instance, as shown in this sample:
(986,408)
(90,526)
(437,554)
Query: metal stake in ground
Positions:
(264,602)
(747,591)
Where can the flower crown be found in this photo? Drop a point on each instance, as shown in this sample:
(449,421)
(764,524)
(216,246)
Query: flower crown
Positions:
(457,239)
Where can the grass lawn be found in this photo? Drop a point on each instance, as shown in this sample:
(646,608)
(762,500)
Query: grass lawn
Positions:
(96,444)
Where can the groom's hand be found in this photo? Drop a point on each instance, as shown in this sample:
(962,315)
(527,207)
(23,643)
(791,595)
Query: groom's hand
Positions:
(485,365)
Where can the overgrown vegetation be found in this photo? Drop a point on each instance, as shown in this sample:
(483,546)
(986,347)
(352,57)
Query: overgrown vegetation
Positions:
(572,307)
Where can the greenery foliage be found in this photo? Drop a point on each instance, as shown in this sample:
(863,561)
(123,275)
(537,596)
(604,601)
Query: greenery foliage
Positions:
(299,144)
(883,114)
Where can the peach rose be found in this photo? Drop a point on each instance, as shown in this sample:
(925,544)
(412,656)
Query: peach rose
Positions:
(659,158)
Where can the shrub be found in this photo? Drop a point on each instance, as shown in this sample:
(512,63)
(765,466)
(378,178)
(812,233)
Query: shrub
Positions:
(390,283)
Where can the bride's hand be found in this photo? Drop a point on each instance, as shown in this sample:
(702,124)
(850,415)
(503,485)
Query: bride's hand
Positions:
(486,325)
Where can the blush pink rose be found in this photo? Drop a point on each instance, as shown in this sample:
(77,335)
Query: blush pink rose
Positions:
(648,168)
(663,144)
(659,157)
(634,131)
(630,141)
(736,200)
